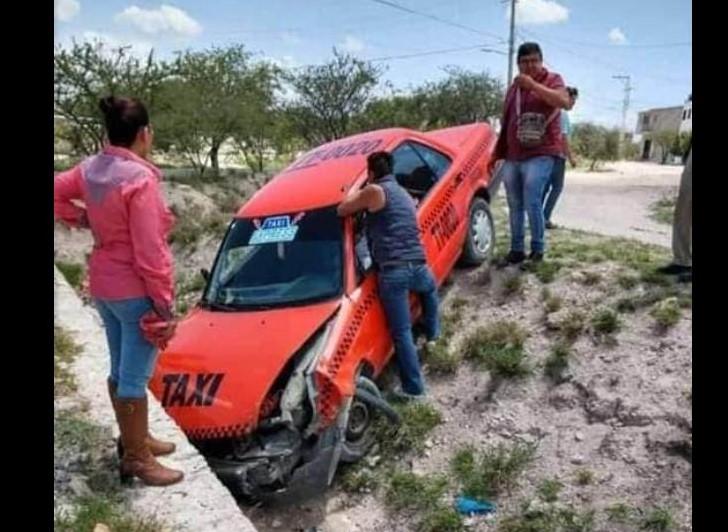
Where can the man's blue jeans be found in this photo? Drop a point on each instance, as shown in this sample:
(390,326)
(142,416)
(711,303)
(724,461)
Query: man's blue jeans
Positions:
(395,284)
(525,182)
(554,187)
(132,356)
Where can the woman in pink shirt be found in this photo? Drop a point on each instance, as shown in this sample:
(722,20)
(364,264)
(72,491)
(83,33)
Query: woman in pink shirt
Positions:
(116,194)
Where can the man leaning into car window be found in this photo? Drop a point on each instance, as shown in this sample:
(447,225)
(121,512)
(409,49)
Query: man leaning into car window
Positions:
(399,257)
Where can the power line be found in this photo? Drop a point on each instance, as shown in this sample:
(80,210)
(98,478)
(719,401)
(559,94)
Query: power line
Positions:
(438,19)
(627,46)
(480,47)
(591,59)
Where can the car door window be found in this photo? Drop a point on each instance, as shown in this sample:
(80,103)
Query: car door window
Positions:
(417,167)
(438,162)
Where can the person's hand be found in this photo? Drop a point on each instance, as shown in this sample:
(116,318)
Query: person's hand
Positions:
(491,165)
(157,330)
(524,81)
(572,162)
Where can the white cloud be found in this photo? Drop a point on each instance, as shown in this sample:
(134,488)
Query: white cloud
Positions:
(617,36)
(65,10)
(537,12)
(285,61)
(167,19)
(352,45)
(289,37)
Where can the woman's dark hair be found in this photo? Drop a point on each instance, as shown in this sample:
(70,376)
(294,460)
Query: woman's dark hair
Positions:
(123,118)
(529,48)
(380,163)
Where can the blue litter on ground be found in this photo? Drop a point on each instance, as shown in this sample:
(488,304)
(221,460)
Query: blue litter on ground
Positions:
(468,506)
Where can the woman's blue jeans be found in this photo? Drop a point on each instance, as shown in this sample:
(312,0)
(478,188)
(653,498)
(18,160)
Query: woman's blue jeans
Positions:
(132,356)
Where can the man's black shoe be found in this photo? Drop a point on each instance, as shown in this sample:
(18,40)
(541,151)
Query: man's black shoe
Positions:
(536,256)
(674,269)
(515,257)
(551,225)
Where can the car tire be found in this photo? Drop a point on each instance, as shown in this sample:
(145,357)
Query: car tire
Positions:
(480,238)
(359,431)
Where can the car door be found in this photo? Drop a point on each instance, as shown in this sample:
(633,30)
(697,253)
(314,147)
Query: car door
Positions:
(426,171)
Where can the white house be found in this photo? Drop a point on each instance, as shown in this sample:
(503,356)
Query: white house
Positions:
(686,124)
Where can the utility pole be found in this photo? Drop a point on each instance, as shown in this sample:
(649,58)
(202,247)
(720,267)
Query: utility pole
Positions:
(510,42)
(625,107)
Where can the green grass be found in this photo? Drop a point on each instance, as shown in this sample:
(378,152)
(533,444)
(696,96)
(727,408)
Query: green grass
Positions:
(423,496)
(493,470)
(662,211)
(499,347)
(572,325)
(440,359)
(605,321)
(72,429)
(408,491)
(562,519)
(653,295)
(73,272)
(442,519)
(552,303)
(627,281)
(90,511)
(358,480)
(579,246)
(620,513)
(65,351)
(667,313)
(549,489)
(193,225)
(657,519)
(418,420)
(557,362)
(450,322)
(584,477)
(512,286)
(545,271)
(591,278)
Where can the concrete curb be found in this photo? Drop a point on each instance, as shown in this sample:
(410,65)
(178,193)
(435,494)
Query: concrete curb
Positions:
(200,502)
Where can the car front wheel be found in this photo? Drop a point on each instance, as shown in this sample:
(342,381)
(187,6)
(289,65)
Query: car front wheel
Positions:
(480,239)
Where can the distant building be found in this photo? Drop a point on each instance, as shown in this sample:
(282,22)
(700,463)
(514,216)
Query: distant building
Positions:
(686,124)
(678,119)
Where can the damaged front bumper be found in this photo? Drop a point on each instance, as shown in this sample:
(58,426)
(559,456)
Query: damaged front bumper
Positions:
(280,468)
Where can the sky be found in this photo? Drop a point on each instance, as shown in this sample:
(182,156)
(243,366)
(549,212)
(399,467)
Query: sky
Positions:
(588,42)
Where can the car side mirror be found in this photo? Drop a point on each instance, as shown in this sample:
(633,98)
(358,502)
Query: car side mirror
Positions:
(205,274)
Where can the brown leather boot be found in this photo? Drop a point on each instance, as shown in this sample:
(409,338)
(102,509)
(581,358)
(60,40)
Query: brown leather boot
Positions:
(158,447)
(138,461)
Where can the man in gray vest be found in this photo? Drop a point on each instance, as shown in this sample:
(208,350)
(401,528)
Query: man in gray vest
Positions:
(399,258)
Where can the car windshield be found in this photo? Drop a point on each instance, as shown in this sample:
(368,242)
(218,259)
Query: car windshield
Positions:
(278,260)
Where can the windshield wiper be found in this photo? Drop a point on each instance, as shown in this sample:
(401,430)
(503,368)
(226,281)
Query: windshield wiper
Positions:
(213,305)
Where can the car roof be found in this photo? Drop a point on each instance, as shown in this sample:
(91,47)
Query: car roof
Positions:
(321,176)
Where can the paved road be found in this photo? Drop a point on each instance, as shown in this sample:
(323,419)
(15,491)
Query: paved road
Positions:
(616,201)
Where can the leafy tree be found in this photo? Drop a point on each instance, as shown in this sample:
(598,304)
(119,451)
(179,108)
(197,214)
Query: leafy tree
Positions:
(329,96)
(86,72)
